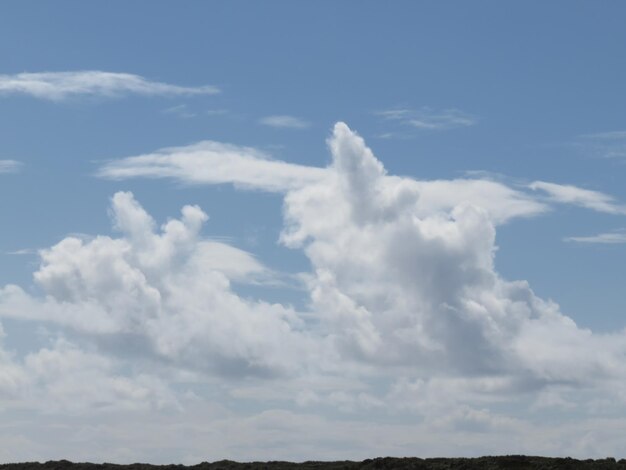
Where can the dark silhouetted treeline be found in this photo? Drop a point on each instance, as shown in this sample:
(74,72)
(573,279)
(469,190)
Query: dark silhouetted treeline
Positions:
(518,462)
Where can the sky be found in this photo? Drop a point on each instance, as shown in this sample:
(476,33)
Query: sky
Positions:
(322,230)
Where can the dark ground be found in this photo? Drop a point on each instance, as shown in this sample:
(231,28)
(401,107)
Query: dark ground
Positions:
(504,462)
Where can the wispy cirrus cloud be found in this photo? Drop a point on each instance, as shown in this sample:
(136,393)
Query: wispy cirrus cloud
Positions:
(182,111)
(21,252)
(428,119)
(285,122)
(569,194)
(608,238)
(10,166)
(57,86)
(210,162)
(609,144)
(610,135)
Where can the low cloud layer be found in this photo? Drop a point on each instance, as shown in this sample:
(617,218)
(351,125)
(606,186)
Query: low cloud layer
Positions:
(57,86)
(408,326)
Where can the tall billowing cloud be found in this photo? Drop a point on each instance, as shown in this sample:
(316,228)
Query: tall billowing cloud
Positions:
(408,326)
(398,286)
(58,86)
(169,290)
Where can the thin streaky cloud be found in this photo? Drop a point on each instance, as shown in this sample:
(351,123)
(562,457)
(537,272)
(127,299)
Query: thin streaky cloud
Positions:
(611,135)
(181,111)
(609,238)
(569,194)
(10,166)
(22,252)
(426,118)
(387,135)
(617,154)
(216,112)
(57,86)
(285,121)
(609,145)
(210,162)
(398,113)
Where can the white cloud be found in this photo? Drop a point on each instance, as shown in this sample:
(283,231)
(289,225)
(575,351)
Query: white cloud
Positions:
(428,119)
(404,269)
(169,290)
(211,162)
(610,144)
(66,378)
(58,86)
(278,434)
(604,238)
(284,121)
(21,252)
(410,338)
(12,378)
(182,111)
(568,194)
(10,166)
(502,202)
(398,287)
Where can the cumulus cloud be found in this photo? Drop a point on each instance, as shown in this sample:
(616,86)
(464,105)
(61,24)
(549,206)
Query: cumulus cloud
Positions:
(284,121)
(400,287)
(407,318)
(12,377)
(63,377)
(403,272)
(169,290)
(57,86)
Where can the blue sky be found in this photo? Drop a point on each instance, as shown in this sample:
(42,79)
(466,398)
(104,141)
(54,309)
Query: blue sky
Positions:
(505,120)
